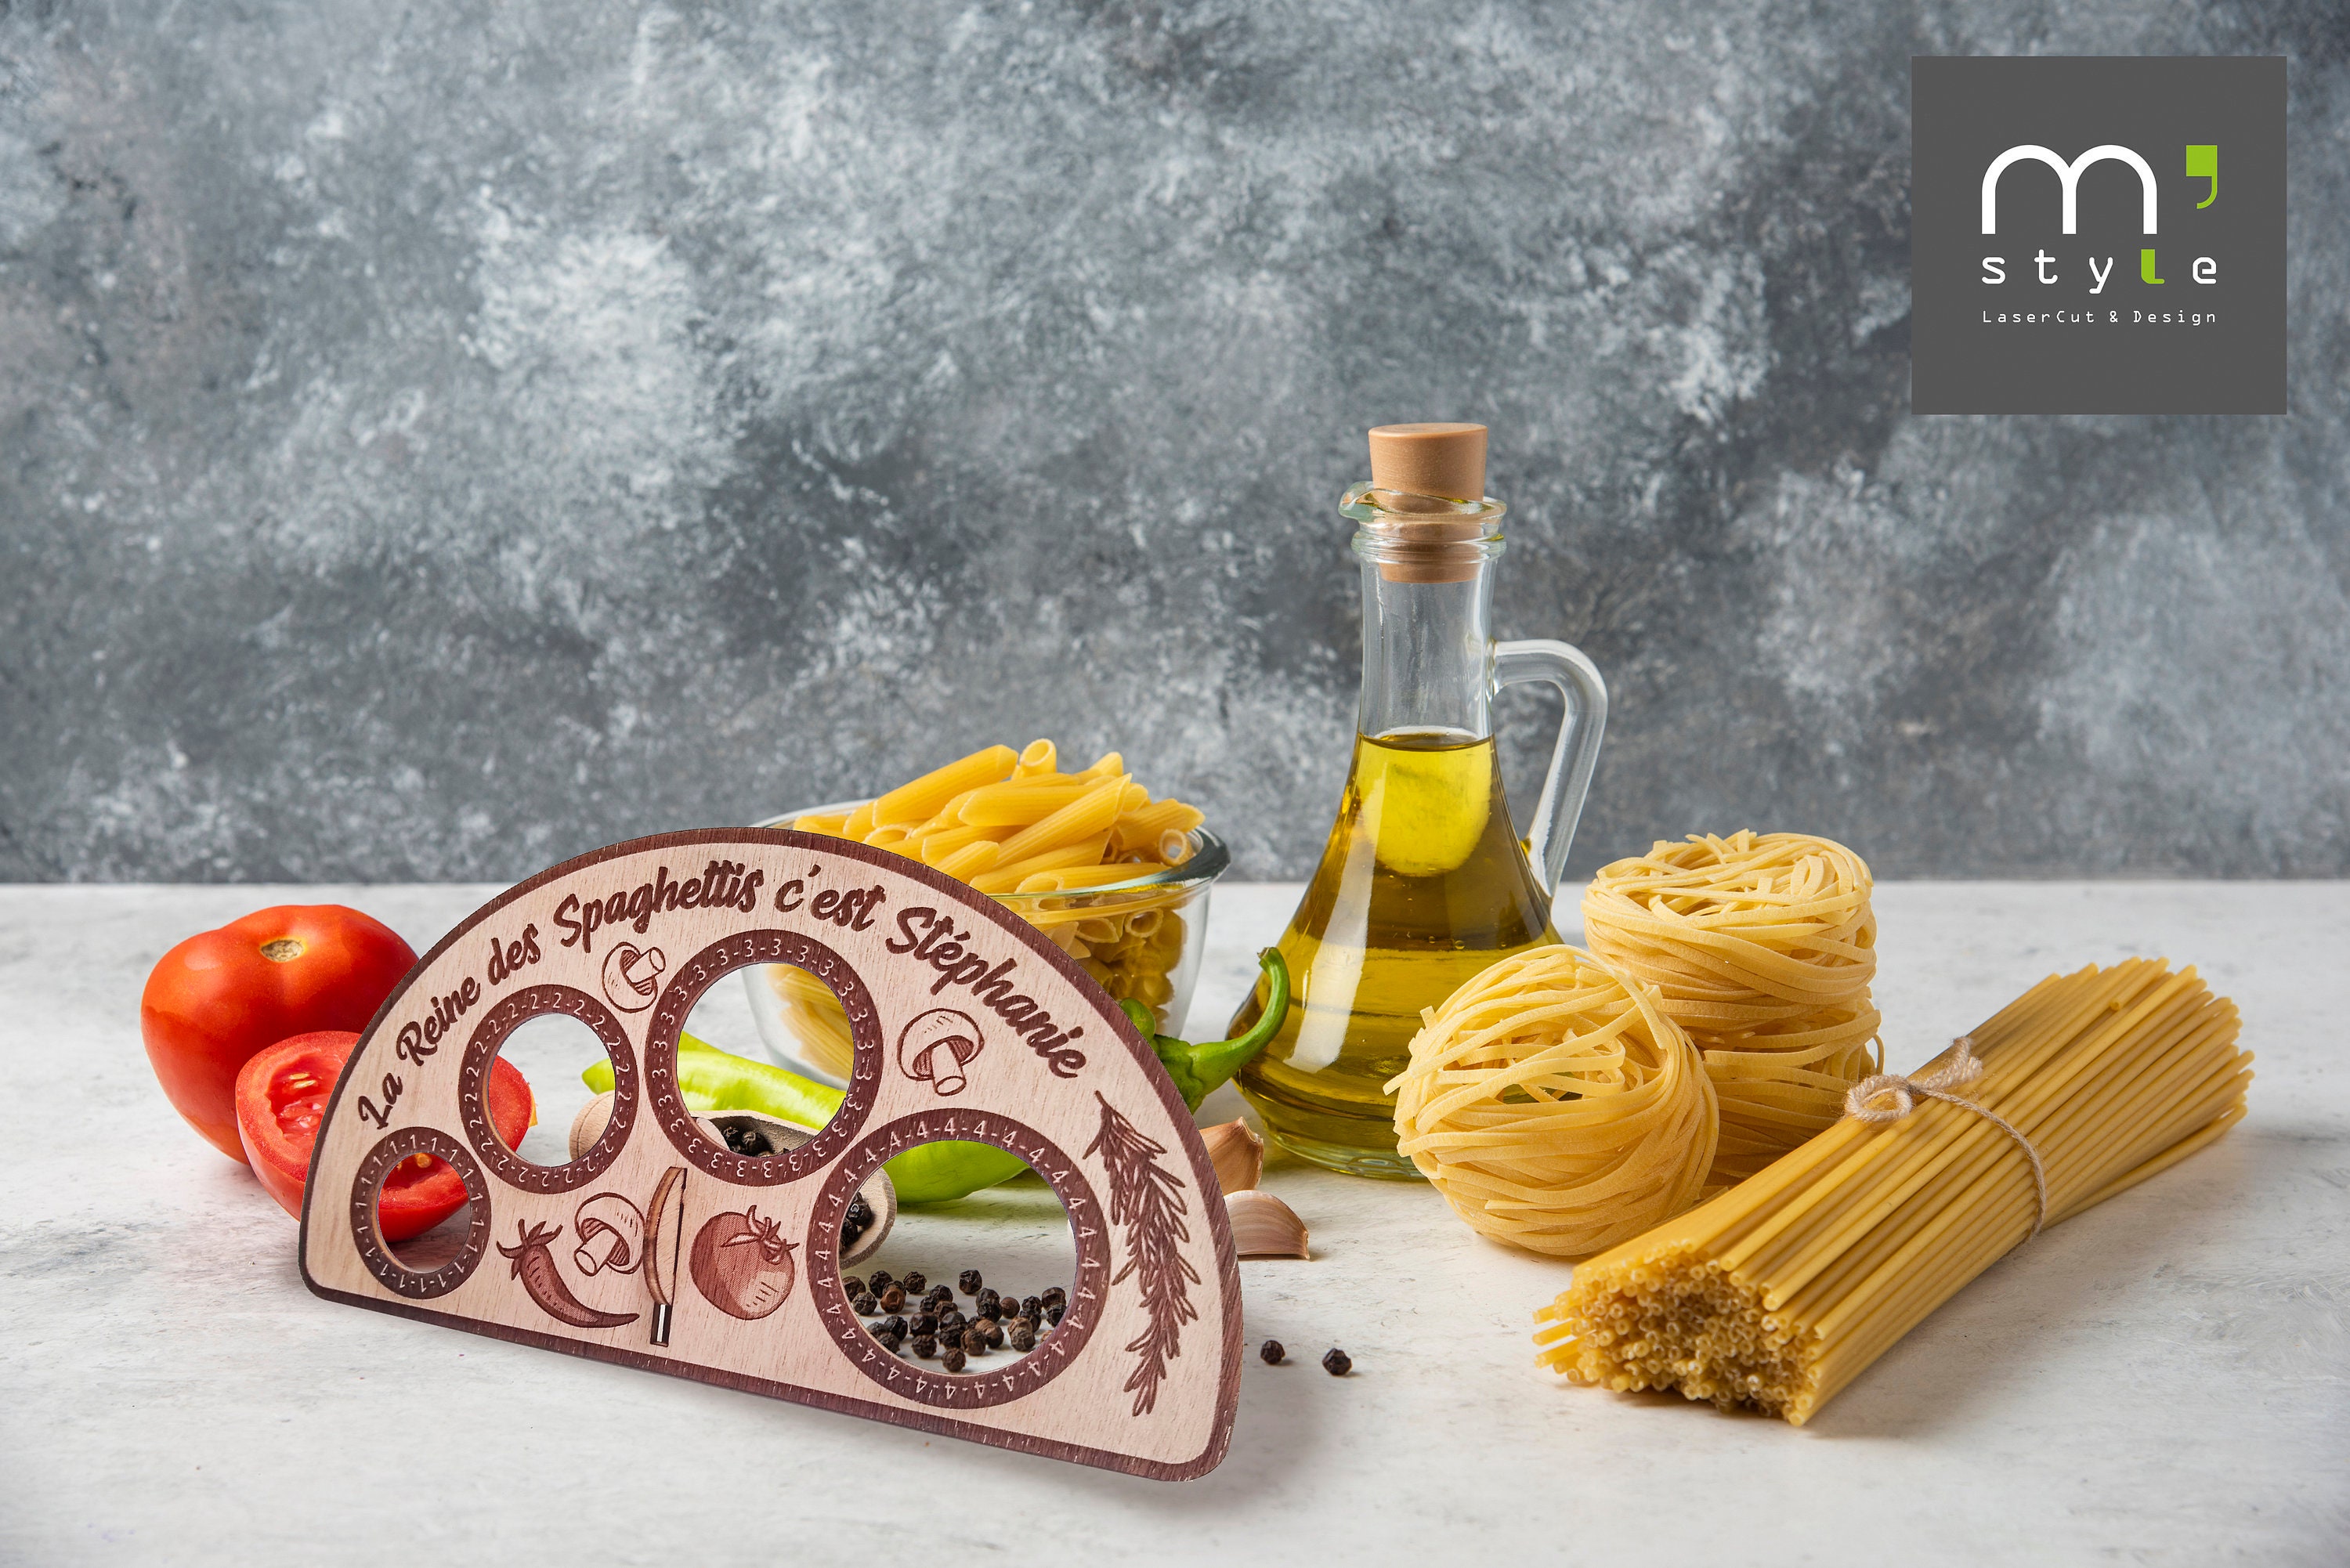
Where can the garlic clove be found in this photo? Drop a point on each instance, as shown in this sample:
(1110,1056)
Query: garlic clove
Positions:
(1265,1227)
(1237,1153)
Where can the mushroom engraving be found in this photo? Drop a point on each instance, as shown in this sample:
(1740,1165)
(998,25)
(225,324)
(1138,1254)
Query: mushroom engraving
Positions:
(632,976)
(611,1235)
(936,1047)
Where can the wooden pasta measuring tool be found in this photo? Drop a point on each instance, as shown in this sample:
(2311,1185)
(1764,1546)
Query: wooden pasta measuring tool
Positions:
(1142,1374)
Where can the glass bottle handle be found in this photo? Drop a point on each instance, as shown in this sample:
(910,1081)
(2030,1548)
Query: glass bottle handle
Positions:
(1577,751)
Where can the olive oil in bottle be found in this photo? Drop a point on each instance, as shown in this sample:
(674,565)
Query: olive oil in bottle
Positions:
(1422,885)
(1423,882)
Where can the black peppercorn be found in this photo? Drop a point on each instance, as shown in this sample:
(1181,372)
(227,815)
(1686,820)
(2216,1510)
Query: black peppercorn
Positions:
(892,1299)
(915,1283)
(968,1282)
(1023,1338)
(748,1140)
(880,1279)
(1053,1313)
(849,1231)
(940,1294)
(1054,1293)
(992,1329)
(953,1361)
(1271,1352)
(852,1286)
(986,1299)
(860,1211)
(951,1322)
(1337,1364)
(864,1305)
(889,1342)
(926,1345)
(894,1324)
(923,1323)
(974,1340)
(1032,1307)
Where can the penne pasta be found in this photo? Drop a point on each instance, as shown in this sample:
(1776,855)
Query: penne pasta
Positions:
(1142,828)
(1020,802)
(918,800)
(1089,814)
(934,847)
(1010,873)
(1011,825)
(970,861)
(1076,877)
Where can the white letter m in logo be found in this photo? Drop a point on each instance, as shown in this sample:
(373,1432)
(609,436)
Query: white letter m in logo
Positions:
(2070,173)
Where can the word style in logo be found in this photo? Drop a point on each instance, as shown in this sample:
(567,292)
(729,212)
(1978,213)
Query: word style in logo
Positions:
(2033,181)
(2204,159)
(632,976)
(936,1047)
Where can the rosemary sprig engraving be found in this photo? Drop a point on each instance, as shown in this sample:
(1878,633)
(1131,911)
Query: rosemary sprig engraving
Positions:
(1147,1199)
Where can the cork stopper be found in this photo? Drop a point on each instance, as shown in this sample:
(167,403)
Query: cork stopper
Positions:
(1444,460)
(1434,469)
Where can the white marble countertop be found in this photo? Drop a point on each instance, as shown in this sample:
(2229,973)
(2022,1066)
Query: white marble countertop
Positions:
(2159,1380)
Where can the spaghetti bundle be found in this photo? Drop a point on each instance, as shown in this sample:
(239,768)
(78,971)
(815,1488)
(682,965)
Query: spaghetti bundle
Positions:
(1778,1293)
(1762,948)
(1016,828)
(1554,1105)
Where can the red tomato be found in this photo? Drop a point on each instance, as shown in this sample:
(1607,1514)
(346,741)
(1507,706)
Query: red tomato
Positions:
(220,996)
(281,1097)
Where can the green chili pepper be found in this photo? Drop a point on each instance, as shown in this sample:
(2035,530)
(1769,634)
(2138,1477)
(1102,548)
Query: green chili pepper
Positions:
(712,1080)
(1198,1069)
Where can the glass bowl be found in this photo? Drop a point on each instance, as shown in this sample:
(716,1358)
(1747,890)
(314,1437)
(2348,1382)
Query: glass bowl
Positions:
(1142,939)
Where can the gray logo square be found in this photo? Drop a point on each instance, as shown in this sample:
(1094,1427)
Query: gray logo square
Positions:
(2097,235)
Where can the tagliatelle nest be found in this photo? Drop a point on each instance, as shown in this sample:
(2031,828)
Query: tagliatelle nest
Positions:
(1555,1107)
(1762,946)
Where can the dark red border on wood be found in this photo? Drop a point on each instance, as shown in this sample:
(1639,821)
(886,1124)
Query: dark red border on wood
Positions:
(1203,1175)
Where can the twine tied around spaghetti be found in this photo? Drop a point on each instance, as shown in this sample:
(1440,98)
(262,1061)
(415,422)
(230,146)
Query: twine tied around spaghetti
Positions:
(1964,1068)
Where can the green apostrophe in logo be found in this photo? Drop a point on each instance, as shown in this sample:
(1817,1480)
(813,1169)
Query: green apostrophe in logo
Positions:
(2203,163)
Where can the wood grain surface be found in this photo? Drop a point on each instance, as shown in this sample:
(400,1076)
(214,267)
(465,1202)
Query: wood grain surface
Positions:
(626,939)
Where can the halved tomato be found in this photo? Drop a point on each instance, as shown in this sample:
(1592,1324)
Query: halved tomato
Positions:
(281,1098)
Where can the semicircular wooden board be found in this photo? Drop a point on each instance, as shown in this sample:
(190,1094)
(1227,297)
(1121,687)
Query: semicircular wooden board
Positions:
(1142,1374)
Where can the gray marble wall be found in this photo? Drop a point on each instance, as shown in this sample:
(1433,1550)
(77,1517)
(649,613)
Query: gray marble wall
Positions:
(436,438)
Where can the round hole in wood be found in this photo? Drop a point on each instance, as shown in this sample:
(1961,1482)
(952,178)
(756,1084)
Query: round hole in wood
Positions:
(689,982)
(555,1077)
(998,1377)
(442,1258)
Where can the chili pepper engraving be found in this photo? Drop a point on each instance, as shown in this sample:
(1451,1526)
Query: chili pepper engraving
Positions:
(533,1265)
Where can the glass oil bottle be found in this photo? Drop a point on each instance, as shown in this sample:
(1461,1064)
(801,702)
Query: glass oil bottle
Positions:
(1423,881)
